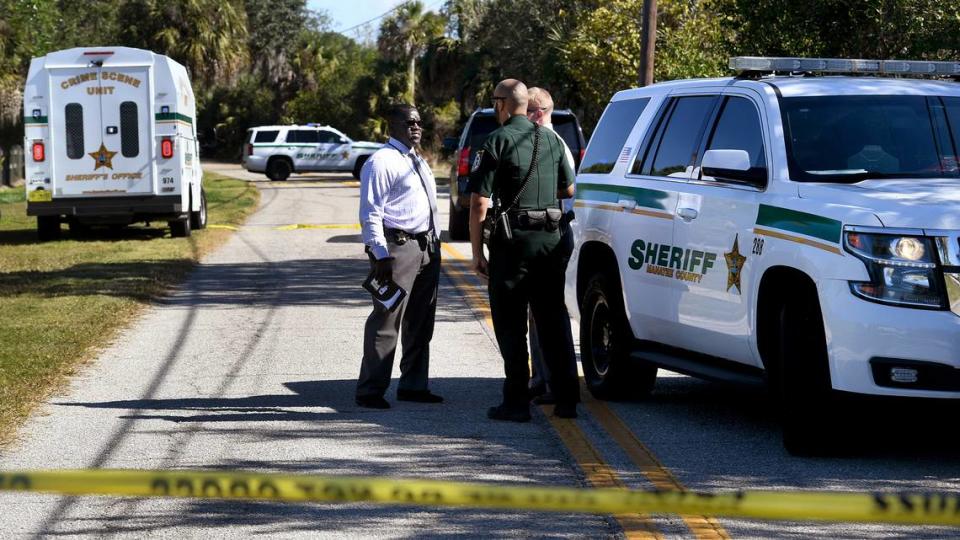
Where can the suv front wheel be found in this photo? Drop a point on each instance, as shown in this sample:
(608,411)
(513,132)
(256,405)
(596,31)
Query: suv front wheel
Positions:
(605,344)
(809,421)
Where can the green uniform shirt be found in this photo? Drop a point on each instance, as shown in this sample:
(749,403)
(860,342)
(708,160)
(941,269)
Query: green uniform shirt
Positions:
(499,167)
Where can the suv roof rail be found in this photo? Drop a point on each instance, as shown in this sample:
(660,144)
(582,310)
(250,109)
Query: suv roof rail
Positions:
(756,66)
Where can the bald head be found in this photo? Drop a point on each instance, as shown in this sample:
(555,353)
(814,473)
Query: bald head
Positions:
(515,94)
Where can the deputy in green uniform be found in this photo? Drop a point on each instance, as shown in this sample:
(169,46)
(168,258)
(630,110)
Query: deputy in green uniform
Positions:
(527,269)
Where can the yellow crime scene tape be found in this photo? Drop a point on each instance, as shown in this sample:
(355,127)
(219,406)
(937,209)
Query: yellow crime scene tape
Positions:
(317,226)
(899,507)
(226,227)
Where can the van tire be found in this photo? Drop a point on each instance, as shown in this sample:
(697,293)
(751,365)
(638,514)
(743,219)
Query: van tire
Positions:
(606,340)
(359,165)
(459,224)
(279,169)
(198,219)
(809,423)
(180,228)
(48,228)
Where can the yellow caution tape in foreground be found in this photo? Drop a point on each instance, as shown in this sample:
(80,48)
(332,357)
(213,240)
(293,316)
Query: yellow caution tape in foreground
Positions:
(919,508)
(320,226)
(227,227)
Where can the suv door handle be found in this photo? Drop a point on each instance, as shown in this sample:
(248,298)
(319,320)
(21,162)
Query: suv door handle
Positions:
(688,214)
(627,204)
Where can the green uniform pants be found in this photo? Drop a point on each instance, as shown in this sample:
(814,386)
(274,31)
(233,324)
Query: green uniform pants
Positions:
(528,271)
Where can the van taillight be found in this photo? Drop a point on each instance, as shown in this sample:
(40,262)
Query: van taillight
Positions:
(39,152)
(463,164)
(166,148)
(249,149)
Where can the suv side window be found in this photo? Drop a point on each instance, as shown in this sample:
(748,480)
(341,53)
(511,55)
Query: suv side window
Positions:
(611,134)
(266,136)
(327,137)
(738,128)
(302,136)
(674,146)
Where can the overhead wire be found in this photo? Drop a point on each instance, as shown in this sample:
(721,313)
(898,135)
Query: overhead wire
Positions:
(385,13)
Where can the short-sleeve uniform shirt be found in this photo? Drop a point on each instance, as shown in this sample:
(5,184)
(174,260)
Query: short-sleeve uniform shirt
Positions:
(500,166)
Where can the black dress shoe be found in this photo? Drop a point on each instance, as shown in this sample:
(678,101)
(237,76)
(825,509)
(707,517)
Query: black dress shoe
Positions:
(509,414)
(565,410)
(420,396)
(373,402)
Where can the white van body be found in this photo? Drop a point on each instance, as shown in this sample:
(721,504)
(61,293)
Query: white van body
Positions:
(112,134)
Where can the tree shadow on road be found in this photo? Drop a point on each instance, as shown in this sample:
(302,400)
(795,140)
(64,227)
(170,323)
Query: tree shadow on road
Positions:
(450,441)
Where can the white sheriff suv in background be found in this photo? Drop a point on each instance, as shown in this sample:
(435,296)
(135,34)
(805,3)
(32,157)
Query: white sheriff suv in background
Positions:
(788,226)
(279,151)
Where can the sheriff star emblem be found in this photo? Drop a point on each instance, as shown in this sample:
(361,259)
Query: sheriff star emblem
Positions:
(735,262)
(102,157)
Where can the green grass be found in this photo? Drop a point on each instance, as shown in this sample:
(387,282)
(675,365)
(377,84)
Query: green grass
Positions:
(61,301)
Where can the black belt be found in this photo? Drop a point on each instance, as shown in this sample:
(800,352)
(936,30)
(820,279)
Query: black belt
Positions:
(547,219)
(401,237)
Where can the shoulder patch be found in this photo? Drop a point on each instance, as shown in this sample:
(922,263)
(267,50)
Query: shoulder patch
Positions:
(475,166)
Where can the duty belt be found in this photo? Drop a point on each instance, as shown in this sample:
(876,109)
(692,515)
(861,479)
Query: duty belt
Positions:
(547,219)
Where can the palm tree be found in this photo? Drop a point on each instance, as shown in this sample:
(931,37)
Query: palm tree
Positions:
(208,36)
(404,37)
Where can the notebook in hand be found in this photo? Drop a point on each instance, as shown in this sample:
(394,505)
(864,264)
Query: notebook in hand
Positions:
(388,293)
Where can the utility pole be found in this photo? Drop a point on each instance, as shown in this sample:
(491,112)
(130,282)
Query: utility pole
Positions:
(649,42)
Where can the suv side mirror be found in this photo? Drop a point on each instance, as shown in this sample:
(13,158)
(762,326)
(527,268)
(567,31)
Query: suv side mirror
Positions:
(731,165)
(344,140)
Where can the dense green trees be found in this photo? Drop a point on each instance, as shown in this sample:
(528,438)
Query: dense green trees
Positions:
(255,62)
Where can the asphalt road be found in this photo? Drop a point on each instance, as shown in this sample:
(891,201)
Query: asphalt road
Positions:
(252,364)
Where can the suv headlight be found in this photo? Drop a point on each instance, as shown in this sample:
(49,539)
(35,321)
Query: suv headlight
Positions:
(903,269)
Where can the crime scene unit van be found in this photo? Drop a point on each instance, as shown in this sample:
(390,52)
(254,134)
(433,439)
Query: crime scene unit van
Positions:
(790,226)
(113,140)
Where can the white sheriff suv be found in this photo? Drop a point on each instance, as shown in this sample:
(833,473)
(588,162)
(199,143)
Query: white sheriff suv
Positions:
(789,226)
(279,151)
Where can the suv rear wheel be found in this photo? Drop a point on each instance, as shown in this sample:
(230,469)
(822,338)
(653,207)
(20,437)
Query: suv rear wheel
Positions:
(605,340)
(809,424)
(459,224)
(279,169)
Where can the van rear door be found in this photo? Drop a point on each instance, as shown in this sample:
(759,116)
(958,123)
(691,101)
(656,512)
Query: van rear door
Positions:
(101,131)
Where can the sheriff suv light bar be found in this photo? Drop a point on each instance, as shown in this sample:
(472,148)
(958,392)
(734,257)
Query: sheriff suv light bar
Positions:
(841,65)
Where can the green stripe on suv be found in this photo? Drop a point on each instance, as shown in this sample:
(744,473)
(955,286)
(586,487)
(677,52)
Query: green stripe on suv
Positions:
(799,222)
(648,198)
(34,119)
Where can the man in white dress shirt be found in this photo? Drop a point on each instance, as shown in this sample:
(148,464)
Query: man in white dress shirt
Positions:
(401,231)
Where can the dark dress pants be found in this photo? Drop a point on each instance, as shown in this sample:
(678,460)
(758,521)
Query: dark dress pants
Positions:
(417,270)
(528,271)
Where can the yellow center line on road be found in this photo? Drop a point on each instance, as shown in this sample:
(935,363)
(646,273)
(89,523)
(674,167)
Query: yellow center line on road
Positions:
(296,226)
(597,472)
(702,527)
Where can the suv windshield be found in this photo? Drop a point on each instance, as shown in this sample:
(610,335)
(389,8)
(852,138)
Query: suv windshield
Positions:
(854,138)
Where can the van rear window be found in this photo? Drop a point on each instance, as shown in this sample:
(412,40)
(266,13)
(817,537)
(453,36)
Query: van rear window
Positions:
(266,136)
(129,130)
(73,116)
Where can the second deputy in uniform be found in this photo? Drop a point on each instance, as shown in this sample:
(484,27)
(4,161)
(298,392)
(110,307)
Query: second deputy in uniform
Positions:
(527,269)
